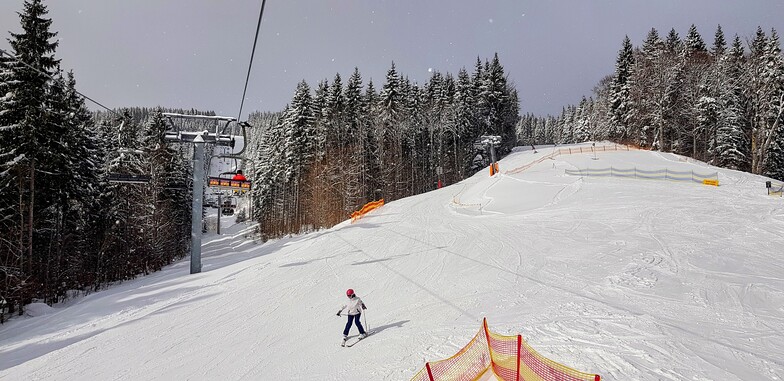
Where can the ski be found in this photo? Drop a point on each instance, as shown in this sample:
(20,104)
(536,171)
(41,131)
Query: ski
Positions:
(345,339)
(354,342)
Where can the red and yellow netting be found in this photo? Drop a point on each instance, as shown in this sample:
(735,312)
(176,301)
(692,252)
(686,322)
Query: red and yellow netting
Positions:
(509,358)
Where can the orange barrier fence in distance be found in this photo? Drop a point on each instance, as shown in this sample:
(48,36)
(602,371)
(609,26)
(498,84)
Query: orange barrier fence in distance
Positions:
(366,208)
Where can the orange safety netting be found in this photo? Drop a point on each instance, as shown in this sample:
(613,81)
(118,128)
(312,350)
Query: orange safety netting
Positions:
(509,358)
(366,208)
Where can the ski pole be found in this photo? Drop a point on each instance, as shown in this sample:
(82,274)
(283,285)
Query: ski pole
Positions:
(367,327)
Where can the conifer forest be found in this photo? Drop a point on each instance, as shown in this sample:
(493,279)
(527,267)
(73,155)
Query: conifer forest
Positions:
(340,143)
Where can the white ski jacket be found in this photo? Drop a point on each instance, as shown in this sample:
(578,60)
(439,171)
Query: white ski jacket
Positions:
(355,306)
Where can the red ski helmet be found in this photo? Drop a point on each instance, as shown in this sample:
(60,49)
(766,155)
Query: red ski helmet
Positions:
(350,292)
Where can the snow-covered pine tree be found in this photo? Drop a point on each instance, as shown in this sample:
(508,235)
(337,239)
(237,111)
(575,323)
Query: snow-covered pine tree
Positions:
(559,128)
(754,94)
(391,134)
(372,143)
(765,96)
(267,175)
(581,132)
(548,126)
(11,234)
(389,99)
(524,130)
(759,43)
(321,118)
(713,88)
(719,44)
(673,43)
(167,200)
(299,151)
(647,90)
(493,99)
(692,137)
(114,241)
(708,116)
(336,104)
(730,148)
(298,122)
(694,44)
(353,108)
(355,134)
(600,109)
(774,166)
(772,138)
(620,101)
(74,181)
(464,124)
(26,121)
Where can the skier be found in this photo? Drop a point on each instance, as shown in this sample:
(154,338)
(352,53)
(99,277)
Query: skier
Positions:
(355,307)
(239,176)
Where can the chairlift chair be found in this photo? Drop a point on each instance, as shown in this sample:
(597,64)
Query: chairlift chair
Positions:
(220,137)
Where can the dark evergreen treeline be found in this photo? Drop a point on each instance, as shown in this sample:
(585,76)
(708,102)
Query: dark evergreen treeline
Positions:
(63,226)
(344,144)
(722,104)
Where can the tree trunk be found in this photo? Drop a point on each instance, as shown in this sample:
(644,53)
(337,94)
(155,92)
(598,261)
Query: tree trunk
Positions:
(30,214)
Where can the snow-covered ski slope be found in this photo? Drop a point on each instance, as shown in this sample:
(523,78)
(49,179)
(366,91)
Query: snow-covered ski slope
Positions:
(631,279)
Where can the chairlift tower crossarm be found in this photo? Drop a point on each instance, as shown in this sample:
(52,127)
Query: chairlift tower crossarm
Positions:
(199,117)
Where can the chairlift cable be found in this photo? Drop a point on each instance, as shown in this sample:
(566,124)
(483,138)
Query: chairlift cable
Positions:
(252,53)
(17,59)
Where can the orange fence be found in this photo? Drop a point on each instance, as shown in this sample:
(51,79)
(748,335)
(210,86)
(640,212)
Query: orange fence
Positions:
(493,168)
(509,358)
(572,150)
(366,208)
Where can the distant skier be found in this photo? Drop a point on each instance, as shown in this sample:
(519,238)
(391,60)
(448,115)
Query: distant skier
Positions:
(355,307)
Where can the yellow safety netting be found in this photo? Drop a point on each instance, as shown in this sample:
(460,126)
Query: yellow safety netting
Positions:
(509,358)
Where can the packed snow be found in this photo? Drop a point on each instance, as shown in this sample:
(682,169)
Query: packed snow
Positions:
(628,278)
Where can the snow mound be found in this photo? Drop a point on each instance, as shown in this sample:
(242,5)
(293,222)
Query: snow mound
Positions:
(38,309)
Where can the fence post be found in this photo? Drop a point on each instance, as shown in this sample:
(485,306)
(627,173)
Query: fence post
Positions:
(429,372)
(489,348)
(519,344)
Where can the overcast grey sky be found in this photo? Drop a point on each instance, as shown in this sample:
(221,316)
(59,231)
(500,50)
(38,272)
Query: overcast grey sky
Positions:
(194,53)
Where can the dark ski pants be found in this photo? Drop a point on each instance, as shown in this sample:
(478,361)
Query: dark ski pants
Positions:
(354,318)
